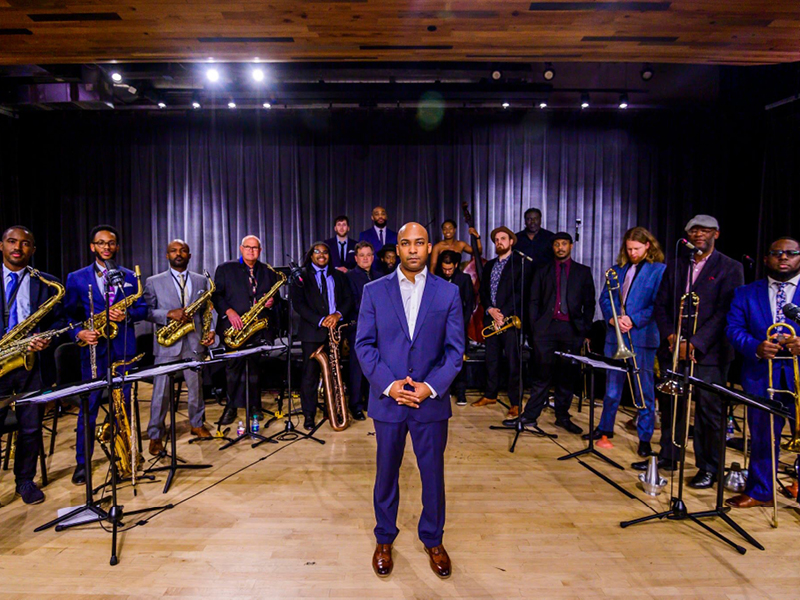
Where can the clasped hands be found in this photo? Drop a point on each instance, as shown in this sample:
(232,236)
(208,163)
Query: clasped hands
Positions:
(625,323)
(413,397)
(768,349)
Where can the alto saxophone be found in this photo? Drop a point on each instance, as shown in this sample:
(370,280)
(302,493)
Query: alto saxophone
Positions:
(126,451)
(250,322)
(14,345)
(99,319)
(175,330)
(332,382)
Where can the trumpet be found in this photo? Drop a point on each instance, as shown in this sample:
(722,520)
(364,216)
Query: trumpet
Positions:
(690,301)
(624,352)
(792,445)
(508,323)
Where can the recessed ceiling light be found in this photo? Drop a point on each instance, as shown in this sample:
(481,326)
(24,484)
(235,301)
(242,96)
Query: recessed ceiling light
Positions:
(162,105)
(231,104)
(505,105)
(212,75)
(258,74)
(623,101)
(195,104)
(542,104)
(647,72)
(267,105)
(496,75)
(116,77)
(549,72)
(584,100)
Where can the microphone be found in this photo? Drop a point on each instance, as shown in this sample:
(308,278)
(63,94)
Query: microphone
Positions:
(746,258)
(295,273)
(577,230)
(523,255)
(690,246)
(792,311)
(114,276)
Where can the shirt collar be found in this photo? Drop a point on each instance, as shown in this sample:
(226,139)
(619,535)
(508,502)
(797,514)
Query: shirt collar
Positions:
(702,260)
(7,271)
(422,276)
(376,228)
(795,281)
(318,269)
(177,274)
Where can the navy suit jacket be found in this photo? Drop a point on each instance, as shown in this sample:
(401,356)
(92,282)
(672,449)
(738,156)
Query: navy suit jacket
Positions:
(748,320)
(350,253)
(386,352)
(369,235)
(639,304)
(76,306)
(358,278)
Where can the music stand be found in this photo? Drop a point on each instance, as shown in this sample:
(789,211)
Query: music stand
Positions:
(677,510)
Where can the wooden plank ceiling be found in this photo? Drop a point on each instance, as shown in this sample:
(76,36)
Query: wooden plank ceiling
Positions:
(675,31)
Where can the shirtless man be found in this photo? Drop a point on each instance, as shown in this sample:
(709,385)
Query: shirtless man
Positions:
(451,243)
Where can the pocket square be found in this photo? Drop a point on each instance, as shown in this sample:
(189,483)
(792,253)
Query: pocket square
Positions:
(127,284)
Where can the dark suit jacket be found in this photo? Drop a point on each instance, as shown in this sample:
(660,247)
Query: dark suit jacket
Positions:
(467,294)
(715,286)
(312,308)
(369,235)
(233,291)
(540,249)
(511,297)
(55,319)
(358,278)
(580,298)
(350,253)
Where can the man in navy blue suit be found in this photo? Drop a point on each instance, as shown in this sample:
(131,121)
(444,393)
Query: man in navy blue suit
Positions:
(343,248)
(379,234)
(104,243)
(410,344)
(756,307)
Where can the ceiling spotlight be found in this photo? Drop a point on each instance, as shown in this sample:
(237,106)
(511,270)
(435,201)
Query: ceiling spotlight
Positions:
(195,104)
(231,104)
(549,72)
(584,100)
(162,105)
(623,101)
(542,104)
(647,72)
(116,77)
(258,75)
(267,105)
(496,75)
(505,105)
(212,75)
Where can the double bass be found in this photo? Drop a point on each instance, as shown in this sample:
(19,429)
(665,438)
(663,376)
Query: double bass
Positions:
(475,270)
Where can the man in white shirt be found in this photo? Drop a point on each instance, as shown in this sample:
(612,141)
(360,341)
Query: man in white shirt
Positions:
(379,234)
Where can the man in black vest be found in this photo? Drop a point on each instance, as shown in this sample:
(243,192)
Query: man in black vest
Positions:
(358,277)
(321,302)
(239,284)
(561,310)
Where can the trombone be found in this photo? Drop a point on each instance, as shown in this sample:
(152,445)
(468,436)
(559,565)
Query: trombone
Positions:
(624,352)
(690,301)
(792,445)
(508,323)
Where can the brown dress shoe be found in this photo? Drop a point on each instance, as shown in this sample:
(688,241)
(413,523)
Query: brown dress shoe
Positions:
(745,501)
(792,489)
(156,446)
(513,412)
(201,432)
(440,561)
(382,560)
(484,401)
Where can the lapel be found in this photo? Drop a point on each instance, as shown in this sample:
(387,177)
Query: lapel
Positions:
(762,299)
(709,272)
(171,289)
(97,292)
(397,301)
(35,289)
(428,294)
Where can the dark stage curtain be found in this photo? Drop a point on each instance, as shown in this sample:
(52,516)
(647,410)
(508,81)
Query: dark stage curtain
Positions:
(211,178)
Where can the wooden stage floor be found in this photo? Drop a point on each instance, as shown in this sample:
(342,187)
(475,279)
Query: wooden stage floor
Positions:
(295,520)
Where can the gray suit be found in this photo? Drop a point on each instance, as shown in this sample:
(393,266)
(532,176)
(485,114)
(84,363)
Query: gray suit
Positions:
(161,295)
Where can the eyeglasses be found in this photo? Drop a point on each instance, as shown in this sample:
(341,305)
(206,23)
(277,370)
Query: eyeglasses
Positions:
(320,251)
(105,244)
(779,253)
(254,248)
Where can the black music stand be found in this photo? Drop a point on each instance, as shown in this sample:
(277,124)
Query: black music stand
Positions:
(677,510)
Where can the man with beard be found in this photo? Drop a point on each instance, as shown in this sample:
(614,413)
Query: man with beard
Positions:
(410,343)
(502,296)
(358,277)
(713,277)
(449,271)
(379,235)
(322,301)
(343,248)
(449,243)
(104,244)
(562,309)
(387,257)
(167,295)
(20,296)
(535,241)
(240,283)
(755,308)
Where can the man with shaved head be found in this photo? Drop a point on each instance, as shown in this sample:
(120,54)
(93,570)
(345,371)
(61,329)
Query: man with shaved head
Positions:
(240,283)
(410,344)
(168,294)
(379,234)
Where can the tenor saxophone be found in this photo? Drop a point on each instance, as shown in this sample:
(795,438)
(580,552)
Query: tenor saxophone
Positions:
(250,322)
(14,345)
(332,382)
(175,330)
(99,319)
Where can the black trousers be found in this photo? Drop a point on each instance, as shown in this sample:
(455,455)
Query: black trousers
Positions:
(359,387)
(560,336)
(235,374)
(707,420)
(29,418)
(506,343)
(310,381)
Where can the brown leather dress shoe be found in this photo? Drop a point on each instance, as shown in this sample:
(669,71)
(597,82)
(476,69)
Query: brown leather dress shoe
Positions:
(156,446)
(440,561)
(745,501)
(382,562)
(201,432)
(792,489)
(513,412)
(485,401)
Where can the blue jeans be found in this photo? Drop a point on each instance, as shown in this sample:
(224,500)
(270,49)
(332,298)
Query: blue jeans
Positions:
(615,382)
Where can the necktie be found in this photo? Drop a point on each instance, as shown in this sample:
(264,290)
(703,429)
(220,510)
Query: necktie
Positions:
(253,286)
(323,287)
(780,301)
(380,236)
(563,307)
(182,285)
(11,287)
(111,292)
(341,251)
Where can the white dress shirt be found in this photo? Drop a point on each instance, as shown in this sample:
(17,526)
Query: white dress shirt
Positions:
(380,231)
(101,282)
(187,290)
(23,294)
(772,287)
